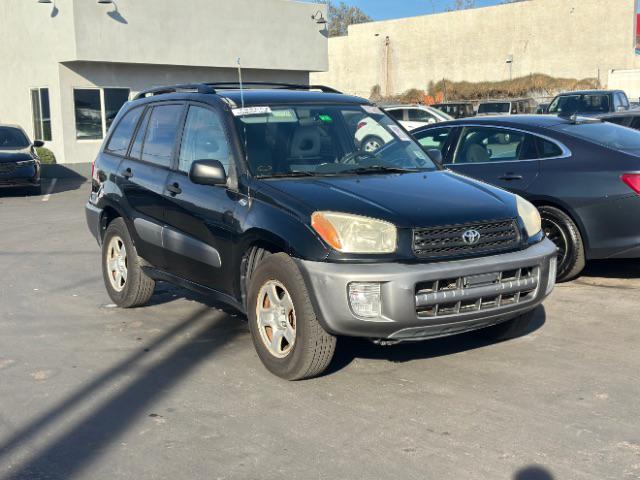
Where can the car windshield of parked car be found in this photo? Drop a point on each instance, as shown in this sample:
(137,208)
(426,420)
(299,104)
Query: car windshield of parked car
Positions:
(570,104)
(314,140)
(605,134)
(494,107)
(12,138)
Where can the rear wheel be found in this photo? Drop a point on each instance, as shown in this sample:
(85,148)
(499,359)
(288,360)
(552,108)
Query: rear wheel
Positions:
(561,230)
(286,333)
(126,283)
(372,143)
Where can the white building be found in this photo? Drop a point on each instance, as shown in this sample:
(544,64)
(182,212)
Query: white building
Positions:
(69,65)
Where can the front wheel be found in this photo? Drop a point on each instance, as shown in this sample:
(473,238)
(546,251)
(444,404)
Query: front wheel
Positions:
(561,230)
(286,333)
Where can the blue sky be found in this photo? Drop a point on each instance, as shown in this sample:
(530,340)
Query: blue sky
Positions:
(384,9)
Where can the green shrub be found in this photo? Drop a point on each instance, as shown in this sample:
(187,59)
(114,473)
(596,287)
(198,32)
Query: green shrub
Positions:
(46,156)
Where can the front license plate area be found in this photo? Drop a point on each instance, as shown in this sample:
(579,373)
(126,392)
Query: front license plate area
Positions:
(481,280)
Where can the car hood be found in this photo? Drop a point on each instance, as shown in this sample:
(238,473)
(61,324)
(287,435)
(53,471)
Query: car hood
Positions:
(15,155)
(406,200)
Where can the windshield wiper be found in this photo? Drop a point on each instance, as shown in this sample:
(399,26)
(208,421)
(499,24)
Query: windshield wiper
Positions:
(289,175)
(380,169)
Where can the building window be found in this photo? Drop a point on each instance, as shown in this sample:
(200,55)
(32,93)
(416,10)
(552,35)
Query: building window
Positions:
(41,114)
(95,109)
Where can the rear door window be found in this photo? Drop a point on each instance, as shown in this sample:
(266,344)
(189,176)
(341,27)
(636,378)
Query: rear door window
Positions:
(435,138)
(162,130)
(398,114)
(121,137)
(489,144)
(548,149)
(418,115)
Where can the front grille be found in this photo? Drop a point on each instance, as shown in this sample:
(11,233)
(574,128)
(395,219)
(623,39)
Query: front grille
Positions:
(7,168)
(447,242)
(487,291)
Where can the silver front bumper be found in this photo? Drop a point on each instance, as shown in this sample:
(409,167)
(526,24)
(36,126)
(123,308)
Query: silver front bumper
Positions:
(412,305)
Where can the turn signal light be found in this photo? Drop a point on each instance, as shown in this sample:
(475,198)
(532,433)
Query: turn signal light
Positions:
(633,180)
(326,230)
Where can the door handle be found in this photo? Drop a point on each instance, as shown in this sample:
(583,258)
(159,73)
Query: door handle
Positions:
(510,176)
(174,189)
(128,173)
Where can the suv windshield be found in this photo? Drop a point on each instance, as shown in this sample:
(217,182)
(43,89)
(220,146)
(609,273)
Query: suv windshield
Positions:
(310,140)
(606,134)
(11,138)
(494,107)
(570,104)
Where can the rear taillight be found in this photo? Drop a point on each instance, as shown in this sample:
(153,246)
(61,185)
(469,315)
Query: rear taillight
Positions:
(633,180)
(360,125)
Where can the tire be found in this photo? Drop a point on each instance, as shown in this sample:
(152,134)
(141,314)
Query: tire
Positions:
(368,143)
(561,230)
(507,330)
(302,348)
(136,288)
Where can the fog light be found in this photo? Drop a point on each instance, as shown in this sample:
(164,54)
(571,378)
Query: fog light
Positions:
(365,299)
(553,272)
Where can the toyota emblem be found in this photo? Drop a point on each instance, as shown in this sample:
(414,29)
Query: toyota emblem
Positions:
(471,237)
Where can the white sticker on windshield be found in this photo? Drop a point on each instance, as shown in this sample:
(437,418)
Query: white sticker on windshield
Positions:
(372,110)
(240,112)
(399,133)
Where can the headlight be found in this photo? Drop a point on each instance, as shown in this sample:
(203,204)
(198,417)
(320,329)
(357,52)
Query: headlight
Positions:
(355,234)
(25,163)
(529,215)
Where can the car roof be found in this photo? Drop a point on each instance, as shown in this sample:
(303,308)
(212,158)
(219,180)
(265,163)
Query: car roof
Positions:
(251,96)
(541,121)
(9,125)
(283,96)
(626,113)
(589,92)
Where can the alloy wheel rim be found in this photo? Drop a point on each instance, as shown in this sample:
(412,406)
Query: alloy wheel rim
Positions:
(557,235)
(276,318)
(117,266)
(371,146)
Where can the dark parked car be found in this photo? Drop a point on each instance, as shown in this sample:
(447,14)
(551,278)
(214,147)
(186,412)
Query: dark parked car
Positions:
(629,118)
(582,174)
(456,110)
(263,200)
(542,108)
(19,162)
(589,102)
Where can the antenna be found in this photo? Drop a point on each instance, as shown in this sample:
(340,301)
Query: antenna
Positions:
(240,80)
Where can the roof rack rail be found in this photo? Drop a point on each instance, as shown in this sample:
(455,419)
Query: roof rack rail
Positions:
(277,85)
(184,87)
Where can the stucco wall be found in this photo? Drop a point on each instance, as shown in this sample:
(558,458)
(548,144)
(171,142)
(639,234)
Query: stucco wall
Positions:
(562,38)
(267,34)
(137,78)
(143,43)
(627,80)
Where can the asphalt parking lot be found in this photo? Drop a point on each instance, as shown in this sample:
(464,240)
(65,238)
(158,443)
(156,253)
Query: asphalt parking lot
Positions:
(175,390)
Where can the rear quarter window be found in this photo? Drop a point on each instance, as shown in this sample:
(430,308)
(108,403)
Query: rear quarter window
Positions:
(121,137)
(605,134)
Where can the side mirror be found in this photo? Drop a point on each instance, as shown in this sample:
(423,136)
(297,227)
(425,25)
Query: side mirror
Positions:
(207,172)
(435,155)
(38,143)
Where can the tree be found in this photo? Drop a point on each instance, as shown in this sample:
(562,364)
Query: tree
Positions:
(340,16)
(461,5)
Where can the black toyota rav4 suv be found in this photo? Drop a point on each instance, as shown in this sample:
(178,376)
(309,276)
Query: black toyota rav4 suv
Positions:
(263,198)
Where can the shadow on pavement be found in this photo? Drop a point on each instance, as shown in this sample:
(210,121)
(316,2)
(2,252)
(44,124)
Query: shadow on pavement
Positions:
(72,451)
(349,349)
(533,472)
(622,269)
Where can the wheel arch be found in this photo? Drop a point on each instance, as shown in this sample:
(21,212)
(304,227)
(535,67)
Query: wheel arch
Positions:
(541,202)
